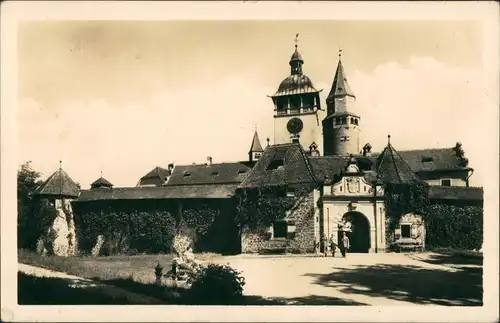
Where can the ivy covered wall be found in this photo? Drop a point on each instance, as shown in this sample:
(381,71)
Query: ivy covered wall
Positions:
(262,212)
(149,226)
(446,224)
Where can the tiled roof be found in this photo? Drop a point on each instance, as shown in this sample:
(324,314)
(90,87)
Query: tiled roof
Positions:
(455,193)
(432,159)
(331,165)
(224,173)
(156,176)
(164,192)
(101,182)
(256,146)
(393,169)
(295,167)
(296,84)
(59,184)
(340,86)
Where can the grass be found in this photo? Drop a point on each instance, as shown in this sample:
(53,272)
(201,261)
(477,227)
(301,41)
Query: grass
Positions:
(137,268)
(56,291)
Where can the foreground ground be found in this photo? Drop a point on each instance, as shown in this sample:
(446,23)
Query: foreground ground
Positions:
(361,279)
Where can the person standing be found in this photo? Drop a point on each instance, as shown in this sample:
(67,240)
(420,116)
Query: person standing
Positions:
(344,244)
(333,246)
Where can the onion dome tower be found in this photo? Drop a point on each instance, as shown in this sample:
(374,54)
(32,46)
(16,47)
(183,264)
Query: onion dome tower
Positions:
(296,99)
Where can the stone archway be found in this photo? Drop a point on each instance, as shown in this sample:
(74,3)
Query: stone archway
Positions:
(359,235)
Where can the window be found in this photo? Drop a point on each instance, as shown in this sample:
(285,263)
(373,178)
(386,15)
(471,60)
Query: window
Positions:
(337,120)
(242,171)
(427,159)
(405,230)
(352,120)
(344,120)
(275,164)
(446,182)
(356,122)
(187,174)
(290,192)
(257,155)
(279,229)
(215,173)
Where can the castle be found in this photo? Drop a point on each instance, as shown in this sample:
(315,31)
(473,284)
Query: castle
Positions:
(343,178)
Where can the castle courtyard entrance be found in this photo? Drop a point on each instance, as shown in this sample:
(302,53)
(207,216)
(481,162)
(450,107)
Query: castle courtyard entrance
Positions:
(359,235)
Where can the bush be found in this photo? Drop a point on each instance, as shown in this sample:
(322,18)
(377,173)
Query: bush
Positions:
(217,285)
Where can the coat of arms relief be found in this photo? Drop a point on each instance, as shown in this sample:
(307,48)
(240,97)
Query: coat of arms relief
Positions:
(353,184)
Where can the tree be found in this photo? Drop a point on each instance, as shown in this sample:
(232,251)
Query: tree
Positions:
(32,214)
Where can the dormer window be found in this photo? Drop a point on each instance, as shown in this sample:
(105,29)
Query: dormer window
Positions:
(242,171)
(187,174)
(275,164)
(427,159)
(215,173)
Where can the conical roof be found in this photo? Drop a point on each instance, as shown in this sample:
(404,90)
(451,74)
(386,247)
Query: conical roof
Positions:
(59,184)
(340,86)
(256,146)
(101,182)
(393,169)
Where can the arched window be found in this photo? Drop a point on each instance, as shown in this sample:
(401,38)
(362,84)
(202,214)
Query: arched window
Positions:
(356,122)
(337,120)
(352,120)
(344,120)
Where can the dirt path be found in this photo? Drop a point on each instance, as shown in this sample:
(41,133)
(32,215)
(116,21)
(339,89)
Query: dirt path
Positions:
(371,279)
(79,282)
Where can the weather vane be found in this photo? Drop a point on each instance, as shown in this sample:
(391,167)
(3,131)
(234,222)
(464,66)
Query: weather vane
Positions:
(340,53)
(296,40)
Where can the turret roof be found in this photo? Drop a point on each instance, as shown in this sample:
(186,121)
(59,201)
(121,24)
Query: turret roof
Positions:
(59,184)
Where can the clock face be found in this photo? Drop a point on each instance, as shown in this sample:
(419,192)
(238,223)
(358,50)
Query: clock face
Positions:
(295,125)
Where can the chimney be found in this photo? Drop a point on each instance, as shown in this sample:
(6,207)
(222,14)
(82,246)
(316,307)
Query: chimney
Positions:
(209,160)
(367,149)
(170,169)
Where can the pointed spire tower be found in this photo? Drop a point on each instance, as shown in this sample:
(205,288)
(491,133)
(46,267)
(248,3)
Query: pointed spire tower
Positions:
(296,105)
(256,148)
(341,125)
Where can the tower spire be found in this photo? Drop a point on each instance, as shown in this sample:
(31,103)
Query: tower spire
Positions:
(256,148)
(296,61)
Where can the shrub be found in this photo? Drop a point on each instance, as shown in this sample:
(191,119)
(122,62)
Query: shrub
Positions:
(217,285)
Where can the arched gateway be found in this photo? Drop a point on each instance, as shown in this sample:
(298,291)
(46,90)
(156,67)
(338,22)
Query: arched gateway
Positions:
(359,233)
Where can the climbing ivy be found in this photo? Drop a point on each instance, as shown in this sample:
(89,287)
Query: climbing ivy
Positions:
(142,228)
(259,207)
(401,199)
(446,225)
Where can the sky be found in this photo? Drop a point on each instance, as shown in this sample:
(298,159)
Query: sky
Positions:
(122,97)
